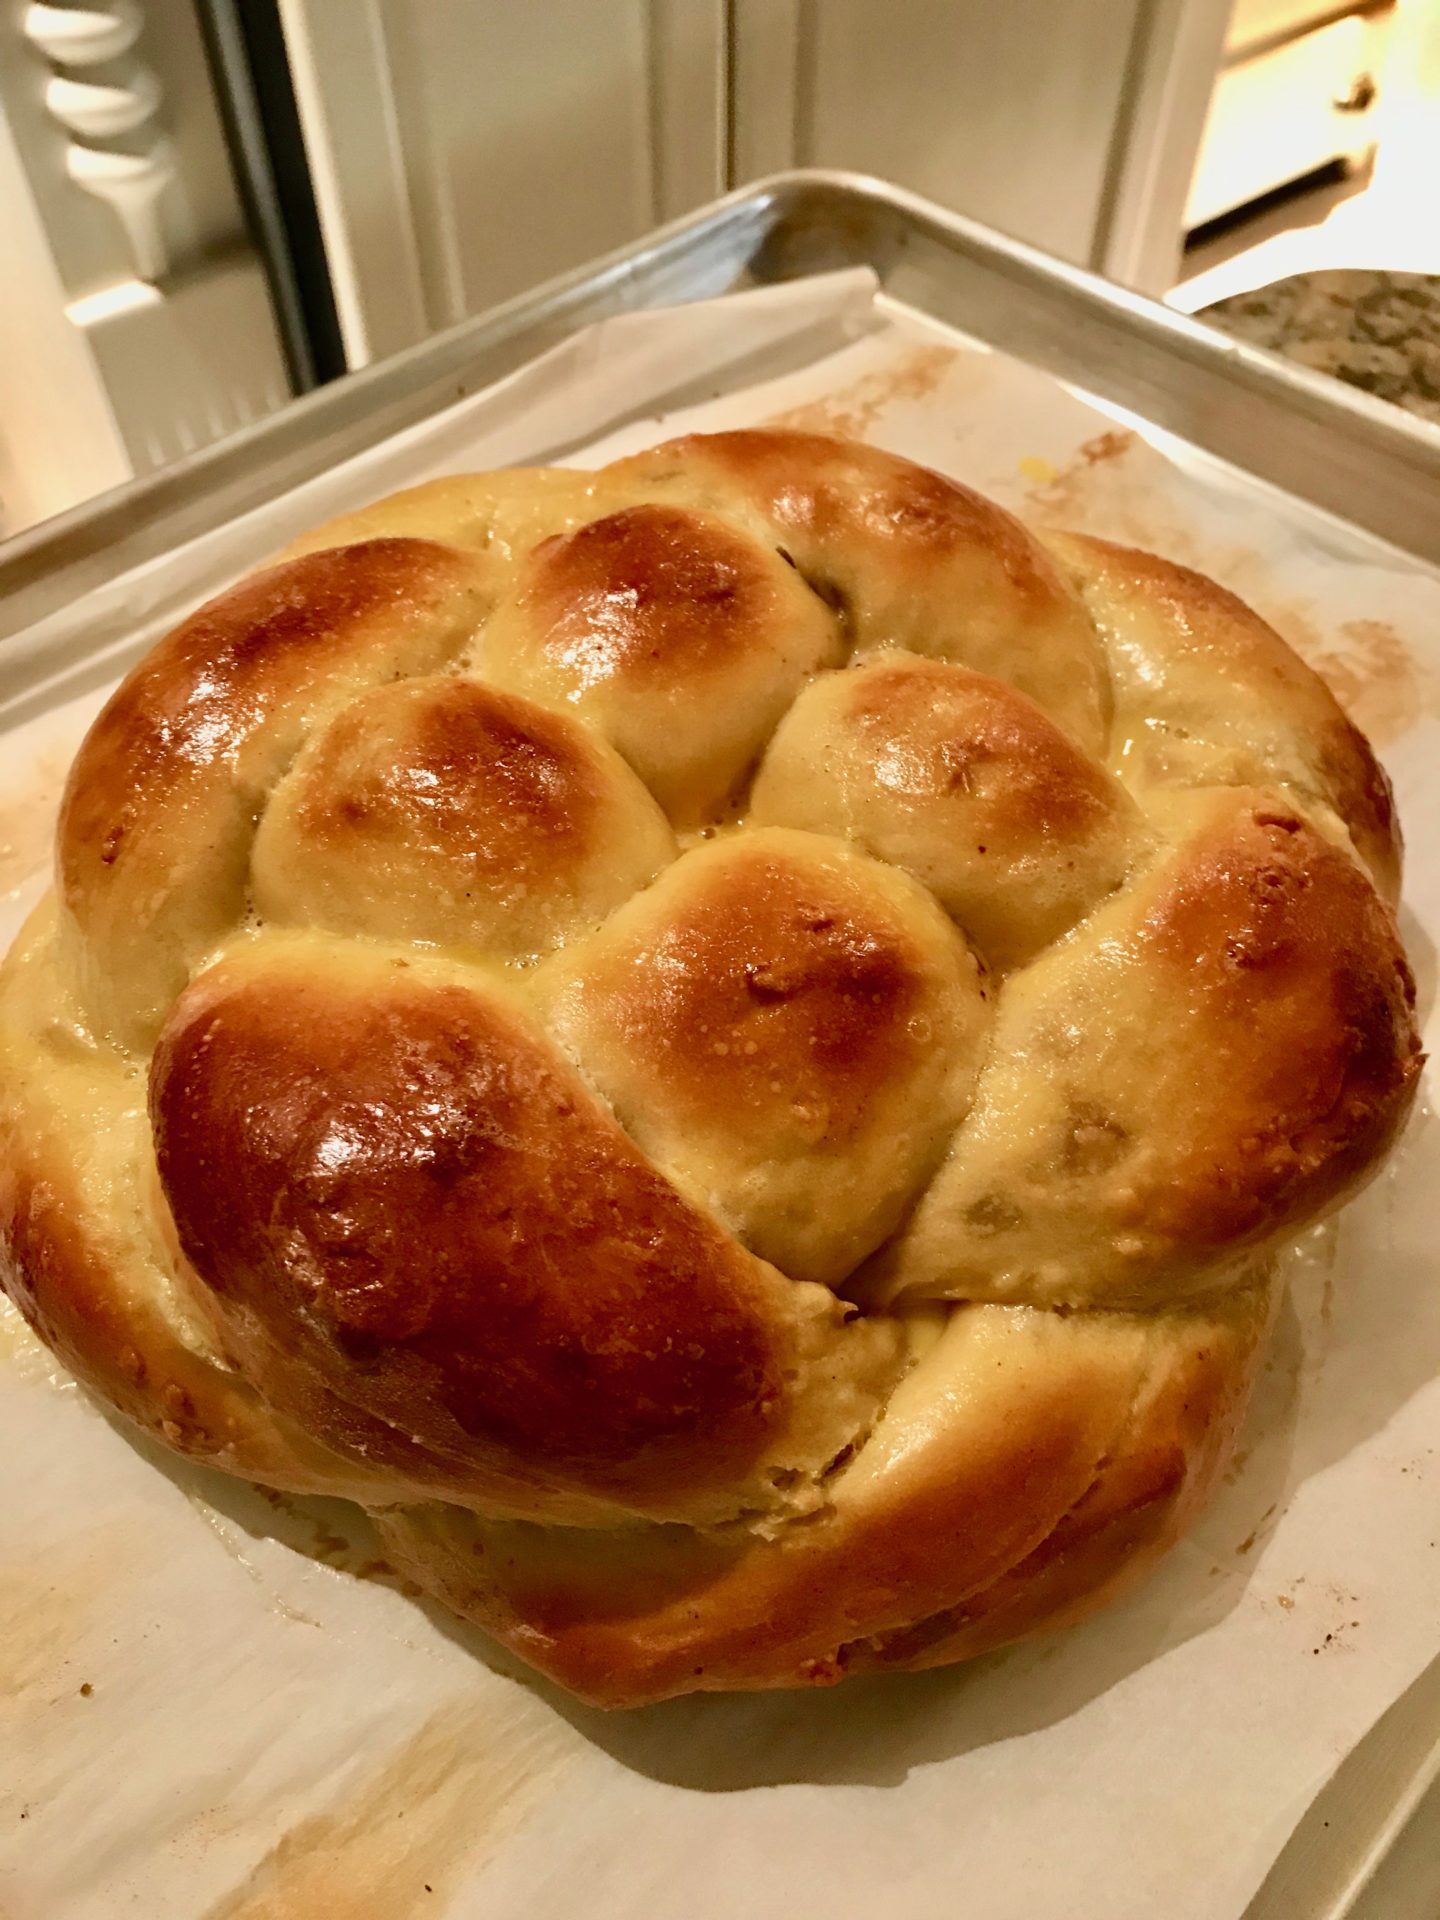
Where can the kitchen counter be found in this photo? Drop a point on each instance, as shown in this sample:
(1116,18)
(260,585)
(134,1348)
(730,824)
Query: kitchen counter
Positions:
(1378,331)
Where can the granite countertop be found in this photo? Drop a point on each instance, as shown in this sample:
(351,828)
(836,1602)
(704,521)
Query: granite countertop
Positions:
(1378,331)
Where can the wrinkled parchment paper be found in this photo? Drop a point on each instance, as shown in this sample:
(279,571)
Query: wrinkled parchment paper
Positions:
(217,1702)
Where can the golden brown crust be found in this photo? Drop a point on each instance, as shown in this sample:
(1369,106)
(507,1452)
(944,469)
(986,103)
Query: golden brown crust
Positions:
(779,1018)
(1299,972)
(1190,656)
(80,1259)
(1212,1059)
(908,557)
(1156,1477)
(498,515)
(1053,1479)
(443,810)
(389,1185)
(160,806)
(835,1239)
(645,594)
(675,633)
(963,782)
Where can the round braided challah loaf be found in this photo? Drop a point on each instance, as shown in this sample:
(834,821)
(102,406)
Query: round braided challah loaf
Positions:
(726,1044)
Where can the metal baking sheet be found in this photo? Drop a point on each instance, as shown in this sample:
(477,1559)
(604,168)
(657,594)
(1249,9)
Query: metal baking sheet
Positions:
(1250,424)
(1327,444)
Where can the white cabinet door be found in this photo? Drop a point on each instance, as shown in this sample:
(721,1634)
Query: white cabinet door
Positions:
(1009,113)
(464,152)
(465,149)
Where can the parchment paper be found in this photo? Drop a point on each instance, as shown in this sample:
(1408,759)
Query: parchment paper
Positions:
(217,1702)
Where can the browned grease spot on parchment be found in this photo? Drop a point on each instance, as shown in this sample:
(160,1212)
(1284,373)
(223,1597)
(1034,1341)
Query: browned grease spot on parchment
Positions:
(1114,487)
(349,1543)
(28,809)
(1260,1526)
(1087,493)
(1365,663)
(852,411)
(1339,1604)
(223,1532)
(322,1540)
(328,1531)
(1108,489)
(406,1837)
(47,1604)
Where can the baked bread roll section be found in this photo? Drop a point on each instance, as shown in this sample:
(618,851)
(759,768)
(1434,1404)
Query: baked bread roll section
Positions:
(729,1045)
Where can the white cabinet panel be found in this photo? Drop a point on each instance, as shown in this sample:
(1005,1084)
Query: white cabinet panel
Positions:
(340,69)
(527,137)
(1007,113)
(464,152)
(689,102)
